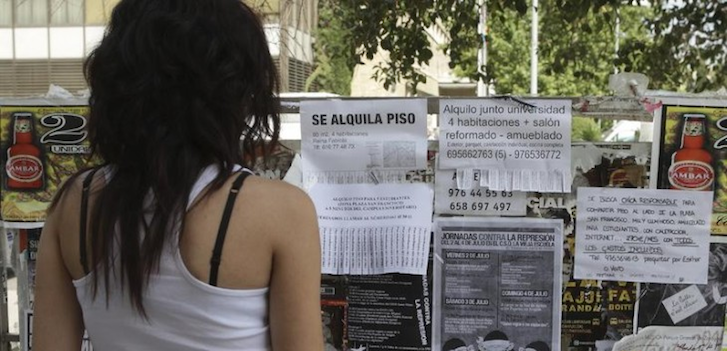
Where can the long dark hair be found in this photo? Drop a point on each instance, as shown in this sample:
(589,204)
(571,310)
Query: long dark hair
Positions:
(175,85)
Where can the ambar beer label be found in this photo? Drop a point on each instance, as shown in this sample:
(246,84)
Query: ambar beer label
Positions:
(24,168)
(691,175)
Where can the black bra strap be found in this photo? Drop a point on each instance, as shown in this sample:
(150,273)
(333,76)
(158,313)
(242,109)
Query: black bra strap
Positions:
(82,225)
(222,232)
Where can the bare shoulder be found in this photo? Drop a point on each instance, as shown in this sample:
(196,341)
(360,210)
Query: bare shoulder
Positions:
(69,200)
(279,197)
(281,208)
(62,222)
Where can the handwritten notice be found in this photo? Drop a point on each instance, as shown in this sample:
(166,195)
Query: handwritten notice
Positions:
(654,236)
(655,338)
(516,146)
(343,142)
(477,201)
(684,303)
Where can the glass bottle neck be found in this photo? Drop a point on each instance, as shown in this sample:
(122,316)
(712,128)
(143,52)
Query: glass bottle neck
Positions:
(693,134)
(23,138)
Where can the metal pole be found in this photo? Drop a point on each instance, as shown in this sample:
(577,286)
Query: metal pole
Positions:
(617,35)
(534,50)
(483,88)
(284,12)
(4,330)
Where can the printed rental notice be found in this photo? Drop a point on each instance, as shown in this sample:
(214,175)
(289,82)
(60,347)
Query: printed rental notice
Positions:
(516,146)
(343,142)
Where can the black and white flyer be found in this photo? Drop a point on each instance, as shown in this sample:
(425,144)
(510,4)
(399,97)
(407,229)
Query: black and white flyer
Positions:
(688,305)
(389,312)
(497,283)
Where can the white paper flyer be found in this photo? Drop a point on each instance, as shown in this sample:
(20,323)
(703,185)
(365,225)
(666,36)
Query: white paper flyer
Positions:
(475,201)
(362,141)
(647,236)
(516,146)
(374,229)
(656,338)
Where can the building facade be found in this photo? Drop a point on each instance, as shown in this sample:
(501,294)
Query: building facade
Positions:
(44,42)
(290,26)
(441,80)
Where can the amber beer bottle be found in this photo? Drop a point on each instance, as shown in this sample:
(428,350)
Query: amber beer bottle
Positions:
(24,168)
(691,167)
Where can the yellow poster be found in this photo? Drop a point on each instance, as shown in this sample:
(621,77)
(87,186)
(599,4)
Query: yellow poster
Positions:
(41,147)
(692,148)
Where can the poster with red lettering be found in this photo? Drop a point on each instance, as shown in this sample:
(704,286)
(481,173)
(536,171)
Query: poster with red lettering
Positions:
(41,147)
(690,145)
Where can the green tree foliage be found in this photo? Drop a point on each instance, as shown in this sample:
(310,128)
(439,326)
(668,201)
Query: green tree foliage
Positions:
(572,63)
(397,27)
(678,47)
(585,129)
(687,49)
(335,56)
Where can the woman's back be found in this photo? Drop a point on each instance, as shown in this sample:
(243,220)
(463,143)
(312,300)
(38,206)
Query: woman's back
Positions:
(220,318)
(179,87)
(185,312)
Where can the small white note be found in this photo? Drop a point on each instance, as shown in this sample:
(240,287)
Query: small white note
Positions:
(684,303)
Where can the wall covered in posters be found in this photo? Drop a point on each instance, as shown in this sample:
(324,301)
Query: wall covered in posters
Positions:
(594,314)
(43,145)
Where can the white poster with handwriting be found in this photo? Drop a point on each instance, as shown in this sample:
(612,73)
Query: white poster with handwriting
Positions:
(374,229)
(684,303)
(652,236)
(362,141)
(516,146)
(655,338)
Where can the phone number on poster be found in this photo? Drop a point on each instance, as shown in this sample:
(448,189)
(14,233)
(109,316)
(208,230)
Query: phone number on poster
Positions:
(536,154)
(464,153)
(479,206)
(503,155)
(454,192)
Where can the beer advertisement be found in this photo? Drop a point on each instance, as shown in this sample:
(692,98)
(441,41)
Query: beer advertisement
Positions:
(691,146)
(41,147)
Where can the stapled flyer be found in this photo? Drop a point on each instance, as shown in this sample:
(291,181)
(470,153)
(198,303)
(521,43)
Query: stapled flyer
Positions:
(497,283)
(345,142)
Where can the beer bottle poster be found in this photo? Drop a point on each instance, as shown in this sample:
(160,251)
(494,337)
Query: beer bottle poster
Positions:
(691,145)
(41,147)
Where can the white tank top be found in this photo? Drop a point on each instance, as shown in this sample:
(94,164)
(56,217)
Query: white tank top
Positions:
(184,313)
